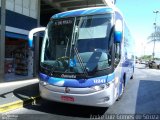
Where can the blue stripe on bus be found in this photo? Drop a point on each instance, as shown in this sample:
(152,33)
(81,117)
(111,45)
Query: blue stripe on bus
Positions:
(80,12)
(63,82)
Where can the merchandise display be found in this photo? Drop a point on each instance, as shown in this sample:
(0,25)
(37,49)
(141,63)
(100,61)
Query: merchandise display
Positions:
(21,64)
(16,59)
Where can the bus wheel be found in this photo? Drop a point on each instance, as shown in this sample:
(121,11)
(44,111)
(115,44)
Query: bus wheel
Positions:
(132,74)
(158,66)
(150,66)
(122,91)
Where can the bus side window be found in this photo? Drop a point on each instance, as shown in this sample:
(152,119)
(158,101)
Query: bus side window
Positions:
(117,54)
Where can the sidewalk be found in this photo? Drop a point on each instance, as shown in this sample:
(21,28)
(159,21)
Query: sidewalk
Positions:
(17,94)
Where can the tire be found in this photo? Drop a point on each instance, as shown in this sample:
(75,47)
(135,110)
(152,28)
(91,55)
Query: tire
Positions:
(150,66)
(132,75)
(158,66)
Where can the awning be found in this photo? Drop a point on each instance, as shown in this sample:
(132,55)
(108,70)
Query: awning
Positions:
(20,36)
(48,6)
(16,35)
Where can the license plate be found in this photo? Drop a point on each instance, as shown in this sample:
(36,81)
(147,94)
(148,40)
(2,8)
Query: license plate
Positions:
(67,98)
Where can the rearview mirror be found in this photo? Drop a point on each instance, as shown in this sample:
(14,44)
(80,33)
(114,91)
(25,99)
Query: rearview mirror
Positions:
(31,34)
(118,33)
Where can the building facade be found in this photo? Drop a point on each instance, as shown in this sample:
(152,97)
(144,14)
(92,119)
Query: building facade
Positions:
(18,17)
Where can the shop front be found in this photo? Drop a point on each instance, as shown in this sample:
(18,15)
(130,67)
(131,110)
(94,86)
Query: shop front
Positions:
(18,57)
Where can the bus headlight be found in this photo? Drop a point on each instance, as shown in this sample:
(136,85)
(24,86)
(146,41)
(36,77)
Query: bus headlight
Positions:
(43,83)
(100,87)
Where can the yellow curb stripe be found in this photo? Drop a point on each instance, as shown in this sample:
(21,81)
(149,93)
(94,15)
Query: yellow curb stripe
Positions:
(18,104)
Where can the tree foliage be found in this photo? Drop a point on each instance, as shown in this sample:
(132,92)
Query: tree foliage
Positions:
(155,36)
(146,57)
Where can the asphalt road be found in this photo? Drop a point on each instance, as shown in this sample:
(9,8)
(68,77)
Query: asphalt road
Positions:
(142,97)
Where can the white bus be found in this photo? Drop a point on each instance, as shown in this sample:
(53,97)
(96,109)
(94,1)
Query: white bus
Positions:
(87,57)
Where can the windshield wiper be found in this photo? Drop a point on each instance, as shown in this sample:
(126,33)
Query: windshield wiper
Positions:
(81,62)
(74,40)
(67,45)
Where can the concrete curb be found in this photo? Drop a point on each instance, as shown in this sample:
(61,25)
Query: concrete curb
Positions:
(18,104)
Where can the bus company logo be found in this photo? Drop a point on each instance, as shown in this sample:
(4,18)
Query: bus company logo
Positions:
(68,76)
(67,90)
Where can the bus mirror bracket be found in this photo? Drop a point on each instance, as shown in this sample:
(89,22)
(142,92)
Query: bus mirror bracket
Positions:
(118,31)
(31,34)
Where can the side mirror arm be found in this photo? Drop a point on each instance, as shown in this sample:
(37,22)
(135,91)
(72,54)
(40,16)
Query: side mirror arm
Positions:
(31,34)
(118,31)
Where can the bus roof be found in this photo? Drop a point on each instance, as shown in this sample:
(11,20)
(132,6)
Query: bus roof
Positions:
(83,12)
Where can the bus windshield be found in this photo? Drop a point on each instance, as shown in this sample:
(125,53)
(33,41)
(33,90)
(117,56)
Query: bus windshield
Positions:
(77,45)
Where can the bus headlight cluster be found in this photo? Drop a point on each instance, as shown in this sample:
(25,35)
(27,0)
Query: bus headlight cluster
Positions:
(43,83)
(100,87)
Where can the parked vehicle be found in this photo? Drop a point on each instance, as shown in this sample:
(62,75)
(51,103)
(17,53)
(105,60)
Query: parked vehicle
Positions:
(154,64)
(137,61)
(143,62)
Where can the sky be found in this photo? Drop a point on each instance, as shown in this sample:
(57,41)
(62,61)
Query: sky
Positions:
(139,17)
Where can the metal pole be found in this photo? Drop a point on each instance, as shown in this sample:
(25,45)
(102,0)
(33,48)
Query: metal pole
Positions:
(2,40)
(154,43)
(144,49)
(36,50)
(155,33)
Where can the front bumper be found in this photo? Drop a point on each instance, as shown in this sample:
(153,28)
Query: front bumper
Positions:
(81,96)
